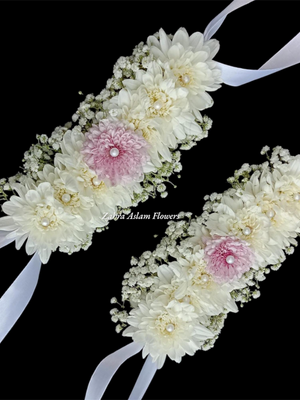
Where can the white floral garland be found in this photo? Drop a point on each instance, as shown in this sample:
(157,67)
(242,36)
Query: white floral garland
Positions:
(180,294)
(123,148)
(126,141)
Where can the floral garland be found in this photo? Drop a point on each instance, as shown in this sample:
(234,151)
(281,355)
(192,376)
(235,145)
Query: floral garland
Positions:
(124,146)
(175,299)
(126,141)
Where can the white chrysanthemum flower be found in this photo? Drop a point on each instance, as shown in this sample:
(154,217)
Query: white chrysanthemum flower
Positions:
(89,186)
(260,191)
(66,191)
(37,216)
(166,329)
(162,99)
(154,130)
(189,61)
(287,185)
(249,223)
(187,280)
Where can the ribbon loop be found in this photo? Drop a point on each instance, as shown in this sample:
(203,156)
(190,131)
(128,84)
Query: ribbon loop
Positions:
(286,57)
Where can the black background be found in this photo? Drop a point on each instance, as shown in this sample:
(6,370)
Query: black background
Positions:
(50,51)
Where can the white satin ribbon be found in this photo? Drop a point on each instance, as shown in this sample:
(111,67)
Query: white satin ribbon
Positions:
(286,57)
(108,367)
(17,296)
(145,377)
(215,24)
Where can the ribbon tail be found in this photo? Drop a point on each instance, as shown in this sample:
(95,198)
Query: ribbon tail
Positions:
(146,375)
(107,368)
(17,296)
(286,57)
(215,24)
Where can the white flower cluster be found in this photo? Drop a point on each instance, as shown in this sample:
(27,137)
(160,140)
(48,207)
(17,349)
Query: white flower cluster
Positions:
(179,294)
(122,149)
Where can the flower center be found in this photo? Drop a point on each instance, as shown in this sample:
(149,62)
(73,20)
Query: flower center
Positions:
(165,324)
(289,192)
(297,196)
(247,231)
(46,218)
(184,75)
(160,103)
(170,328)
(66,198)
(114,152)
(246,226)
(97,185)
(200,276)
(230,259)
(270,213)
(184,80)
(89,179)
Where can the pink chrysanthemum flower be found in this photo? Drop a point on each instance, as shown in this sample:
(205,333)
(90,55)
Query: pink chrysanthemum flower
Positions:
(227,257)
(116,153)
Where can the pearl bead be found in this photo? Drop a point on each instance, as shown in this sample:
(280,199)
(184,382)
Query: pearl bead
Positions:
(297,197)
(247,231)
(170,328)
(45,221)
(114,152)
(270,213)
(185,79)
(158,105)
(204,278)
(230,259)
(66,198)
(96,181)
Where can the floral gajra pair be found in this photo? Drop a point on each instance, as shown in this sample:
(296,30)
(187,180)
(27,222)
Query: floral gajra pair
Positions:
(122,147)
